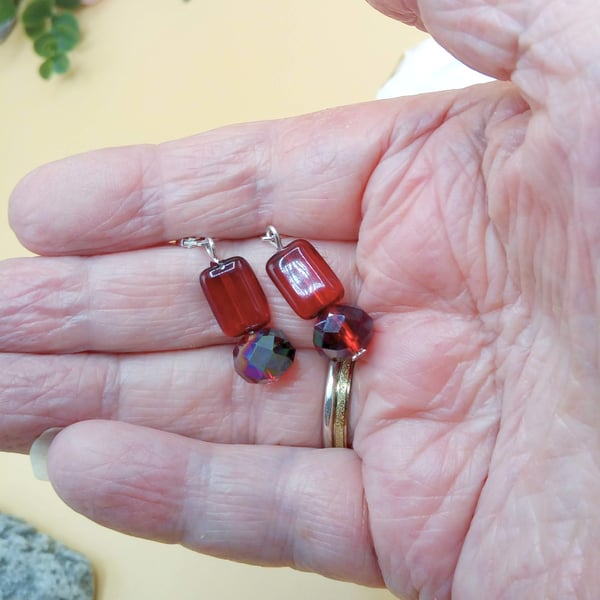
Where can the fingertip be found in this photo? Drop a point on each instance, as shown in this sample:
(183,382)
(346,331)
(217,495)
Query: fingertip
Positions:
(74,205)
(69,451)
(41,204)
(126,477)
(75,459)
(399,11)
(20,209)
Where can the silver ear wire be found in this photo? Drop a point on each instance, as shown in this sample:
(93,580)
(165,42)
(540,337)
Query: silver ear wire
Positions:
(273,237)
(204,242)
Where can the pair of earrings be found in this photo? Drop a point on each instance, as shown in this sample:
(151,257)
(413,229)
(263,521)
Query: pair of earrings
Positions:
(310,287)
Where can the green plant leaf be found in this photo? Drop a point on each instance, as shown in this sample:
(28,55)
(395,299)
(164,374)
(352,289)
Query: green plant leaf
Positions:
(65,38)
(37,12)
(66,31)
(60,63)
(65,41)
(68,3)
(46,68)
(46,45)
(35,31)
(8,10)
(66,19)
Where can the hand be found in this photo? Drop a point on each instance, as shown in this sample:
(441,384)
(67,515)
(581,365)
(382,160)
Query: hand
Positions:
(464,222)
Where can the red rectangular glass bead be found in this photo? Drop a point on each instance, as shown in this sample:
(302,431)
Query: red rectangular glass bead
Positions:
(235,296)
(304,279)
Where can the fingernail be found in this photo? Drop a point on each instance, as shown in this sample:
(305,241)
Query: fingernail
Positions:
(38,454)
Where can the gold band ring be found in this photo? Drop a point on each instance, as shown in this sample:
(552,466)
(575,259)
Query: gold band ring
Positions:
(336,404)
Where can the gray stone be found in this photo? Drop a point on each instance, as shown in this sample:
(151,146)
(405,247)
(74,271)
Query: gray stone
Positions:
(33,566)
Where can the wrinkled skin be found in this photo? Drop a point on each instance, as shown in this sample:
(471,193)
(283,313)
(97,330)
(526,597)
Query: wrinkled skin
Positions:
(465,222)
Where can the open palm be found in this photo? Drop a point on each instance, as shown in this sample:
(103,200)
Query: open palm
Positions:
(464,222)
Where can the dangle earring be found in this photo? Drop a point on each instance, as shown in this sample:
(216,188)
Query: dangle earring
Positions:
(233,292)
(312,289)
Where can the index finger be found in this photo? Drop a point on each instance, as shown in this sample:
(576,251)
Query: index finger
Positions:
(305,174)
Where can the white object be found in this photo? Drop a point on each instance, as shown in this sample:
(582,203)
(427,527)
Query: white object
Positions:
(38,454)
(429,68)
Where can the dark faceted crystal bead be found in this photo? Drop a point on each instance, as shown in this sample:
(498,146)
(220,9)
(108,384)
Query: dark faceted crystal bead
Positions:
(263,356)
(342,332)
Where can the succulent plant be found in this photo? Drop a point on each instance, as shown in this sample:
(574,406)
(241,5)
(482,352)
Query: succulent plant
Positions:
(51,25)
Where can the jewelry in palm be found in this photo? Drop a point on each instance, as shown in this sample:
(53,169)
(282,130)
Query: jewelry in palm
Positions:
(239,304)
(341,332)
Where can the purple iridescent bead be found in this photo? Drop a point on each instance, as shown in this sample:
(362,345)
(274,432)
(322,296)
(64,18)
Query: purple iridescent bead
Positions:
(263,356)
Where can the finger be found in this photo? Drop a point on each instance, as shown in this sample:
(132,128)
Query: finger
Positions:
(539,45)
(305,175)
(133,302)
(266,505)
(194,393)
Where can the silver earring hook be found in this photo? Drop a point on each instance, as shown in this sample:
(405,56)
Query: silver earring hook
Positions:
(273,237)
(205,242)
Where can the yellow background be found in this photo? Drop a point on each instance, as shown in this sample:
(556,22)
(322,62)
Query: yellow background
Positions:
(151,71)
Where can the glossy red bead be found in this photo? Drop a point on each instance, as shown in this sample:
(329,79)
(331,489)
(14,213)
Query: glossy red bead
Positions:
(304,279)
(235,296)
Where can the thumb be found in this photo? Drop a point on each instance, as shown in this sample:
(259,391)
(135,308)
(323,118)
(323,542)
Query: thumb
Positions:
(540,45)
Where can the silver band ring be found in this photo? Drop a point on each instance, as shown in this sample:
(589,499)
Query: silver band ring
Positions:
(336,404)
